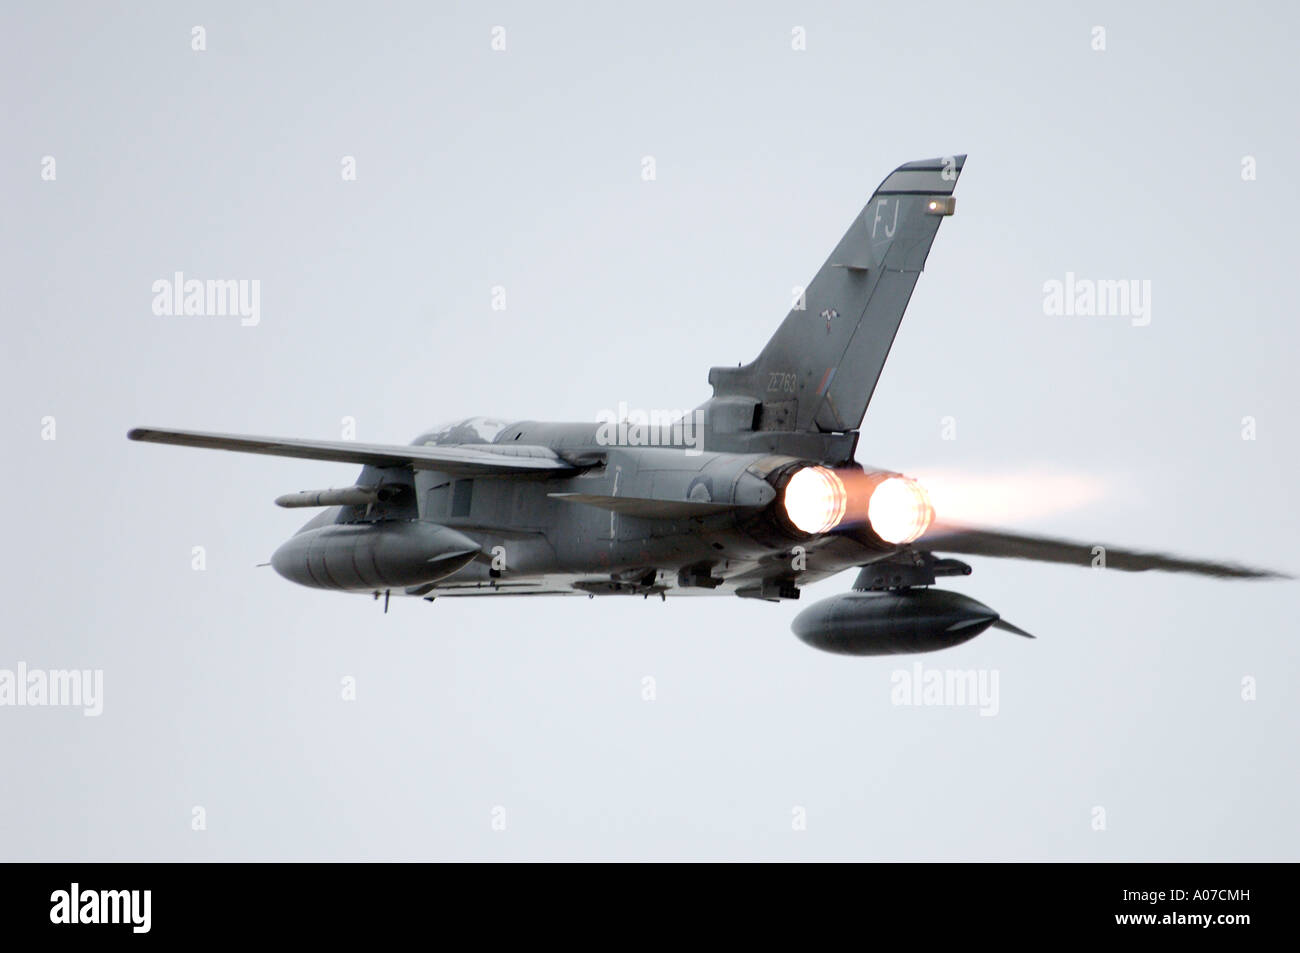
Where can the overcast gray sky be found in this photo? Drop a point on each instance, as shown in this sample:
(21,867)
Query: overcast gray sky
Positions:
(522,168)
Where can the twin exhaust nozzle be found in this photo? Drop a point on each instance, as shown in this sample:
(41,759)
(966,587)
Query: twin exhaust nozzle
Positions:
(818,499)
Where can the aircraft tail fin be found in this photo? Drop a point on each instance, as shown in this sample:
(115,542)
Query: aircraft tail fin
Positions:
(818,371)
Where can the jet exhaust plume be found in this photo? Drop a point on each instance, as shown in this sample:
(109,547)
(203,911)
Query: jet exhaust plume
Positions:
(818,499)
(1009,499)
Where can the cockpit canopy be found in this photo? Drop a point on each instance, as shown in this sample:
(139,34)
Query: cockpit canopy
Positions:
(469,430)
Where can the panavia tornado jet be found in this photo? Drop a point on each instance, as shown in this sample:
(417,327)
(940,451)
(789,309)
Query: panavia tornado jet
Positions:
(755,494)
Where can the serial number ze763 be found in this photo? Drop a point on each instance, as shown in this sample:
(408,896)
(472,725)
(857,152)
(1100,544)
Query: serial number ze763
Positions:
(785,383)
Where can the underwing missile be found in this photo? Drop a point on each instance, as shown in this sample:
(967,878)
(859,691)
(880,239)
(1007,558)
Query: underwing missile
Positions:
(344,496)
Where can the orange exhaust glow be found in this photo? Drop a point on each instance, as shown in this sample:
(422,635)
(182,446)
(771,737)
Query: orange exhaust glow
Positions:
(818,499)
(815,500)
(1009,498)
(899,510)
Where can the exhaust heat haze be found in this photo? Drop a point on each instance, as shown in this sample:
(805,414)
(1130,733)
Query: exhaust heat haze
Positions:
(1009,498)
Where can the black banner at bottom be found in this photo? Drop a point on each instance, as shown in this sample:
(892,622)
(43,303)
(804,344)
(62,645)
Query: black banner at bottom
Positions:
(135,902)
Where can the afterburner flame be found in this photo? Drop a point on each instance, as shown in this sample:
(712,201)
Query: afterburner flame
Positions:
(1021,497)
(815,500)
(818,499)
(899,510)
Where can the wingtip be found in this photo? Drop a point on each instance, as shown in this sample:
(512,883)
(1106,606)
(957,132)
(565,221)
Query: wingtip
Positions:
(1237,571)
(956,158)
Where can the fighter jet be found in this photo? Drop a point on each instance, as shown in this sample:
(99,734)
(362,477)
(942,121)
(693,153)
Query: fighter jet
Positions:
(756,493)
